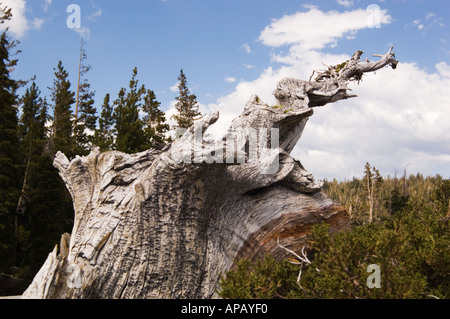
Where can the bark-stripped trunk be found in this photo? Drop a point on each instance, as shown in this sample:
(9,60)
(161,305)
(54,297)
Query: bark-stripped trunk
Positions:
(168,223)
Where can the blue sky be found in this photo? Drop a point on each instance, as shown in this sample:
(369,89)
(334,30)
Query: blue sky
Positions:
(234,48)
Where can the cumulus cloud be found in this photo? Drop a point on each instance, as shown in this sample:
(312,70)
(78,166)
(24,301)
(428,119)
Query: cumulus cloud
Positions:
(19,24)
(399,120)
(296,28)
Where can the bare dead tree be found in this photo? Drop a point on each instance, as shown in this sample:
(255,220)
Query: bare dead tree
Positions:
(168,223)
(299,260)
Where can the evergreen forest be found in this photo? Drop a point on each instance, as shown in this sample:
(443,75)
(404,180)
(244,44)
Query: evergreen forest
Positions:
(400,224)
(35,206)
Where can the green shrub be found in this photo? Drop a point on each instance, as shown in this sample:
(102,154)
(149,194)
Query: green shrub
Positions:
(259,280)
(411,249)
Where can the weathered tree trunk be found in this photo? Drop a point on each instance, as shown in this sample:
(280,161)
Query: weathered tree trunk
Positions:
(168,223)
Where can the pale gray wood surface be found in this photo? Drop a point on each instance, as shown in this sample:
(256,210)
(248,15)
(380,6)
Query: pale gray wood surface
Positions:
(168,223)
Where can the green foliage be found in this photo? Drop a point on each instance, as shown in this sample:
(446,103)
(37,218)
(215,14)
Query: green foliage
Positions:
(5,14)
(33,131)
(63,99)
(340,263)
(259,280)
(410,247)
(187,105)
(35,205)
(155,126)
(104,134)
(85,122)
(372,181)
(339,67)
(49,214)
(45,208)
(9,151)
(402,225)
(389,196)
(133,132)
(129,127)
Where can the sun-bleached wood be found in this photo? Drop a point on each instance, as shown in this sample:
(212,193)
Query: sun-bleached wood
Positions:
(168,223)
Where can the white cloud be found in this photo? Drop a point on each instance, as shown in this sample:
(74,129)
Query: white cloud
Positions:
(399,120)
(418,24)
(296,28)
(443,69)
(247,48)
(84,32)
(174,88)
(46,5)
(430,21)
(96,14)
(18,25)
(230,79)
(37,23)
(345,3)
(249,66)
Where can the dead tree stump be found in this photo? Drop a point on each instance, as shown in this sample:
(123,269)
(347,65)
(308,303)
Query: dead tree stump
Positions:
(168,223)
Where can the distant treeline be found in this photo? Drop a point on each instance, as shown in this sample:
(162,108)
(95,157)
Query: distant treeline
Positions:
(400,232)
(375,197)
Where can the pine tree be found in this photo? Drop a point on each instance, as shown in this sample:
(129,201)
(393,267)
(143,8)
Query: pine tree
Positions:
(187,105)
(9,149)
(85,122)
(104,135)
(45,207)
(49,214)
(32,133)
(129,127)
(63,99)
(5,14)
(33,137)
(372,181)
(155,121)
